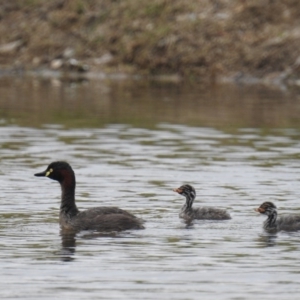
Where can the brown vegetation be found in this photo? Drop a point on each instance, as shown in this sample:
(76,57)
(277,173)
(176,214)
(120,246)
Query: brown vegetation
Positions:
(195,39)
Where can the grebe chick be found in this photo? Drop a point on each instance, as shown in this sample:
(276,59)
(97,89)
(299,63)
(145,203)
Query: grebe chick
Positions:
(98,218)
(272,224)
(201,213)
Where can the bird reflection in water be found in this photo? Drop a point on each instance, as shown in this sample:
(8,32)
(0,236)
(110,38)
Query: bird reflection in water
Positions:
(267,239)
(68,241)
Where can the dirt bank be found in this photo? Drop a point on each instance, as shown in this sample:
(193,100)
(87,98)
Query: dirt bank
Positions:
(200,40)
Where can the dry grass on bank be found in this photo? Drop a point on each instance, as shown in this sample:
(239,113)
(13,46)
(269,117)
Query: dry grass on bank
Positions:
(193,38)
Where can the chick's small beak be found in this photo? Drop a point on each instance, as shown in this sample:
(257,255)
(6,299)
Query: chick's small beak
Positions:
(179,191)
(259,210)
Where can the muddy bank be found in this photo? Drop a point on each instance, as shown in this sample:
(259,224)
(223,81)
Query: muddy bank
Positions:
(196,40)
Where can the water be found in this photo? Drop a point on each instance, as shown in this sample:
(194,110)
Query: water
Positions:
(131,144)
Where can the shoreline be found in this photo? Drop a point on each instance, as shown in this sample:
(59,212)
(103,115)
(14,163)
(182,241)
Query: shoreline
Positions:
(231,40)
(280,81)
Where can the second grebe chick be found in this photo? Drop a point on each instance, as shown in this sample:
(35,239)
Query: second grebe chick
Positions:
(273,224)
(201,213)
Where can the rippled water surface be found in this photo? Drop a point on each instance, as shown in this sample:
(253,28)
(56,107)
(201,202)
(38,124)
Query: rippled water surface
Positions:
(130,144)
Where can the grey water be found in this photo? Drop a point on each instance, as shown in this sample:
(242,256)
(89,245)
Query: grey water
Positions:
(130,143)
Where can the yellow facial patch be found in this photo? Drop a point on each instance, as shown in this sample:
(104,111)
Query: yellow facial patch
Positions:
(49,172)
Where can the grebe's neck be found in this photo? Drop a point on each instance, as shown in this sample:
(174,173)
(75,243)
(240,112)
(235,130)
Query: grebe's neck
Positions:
(271,222)
(190,197)
(68,185)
